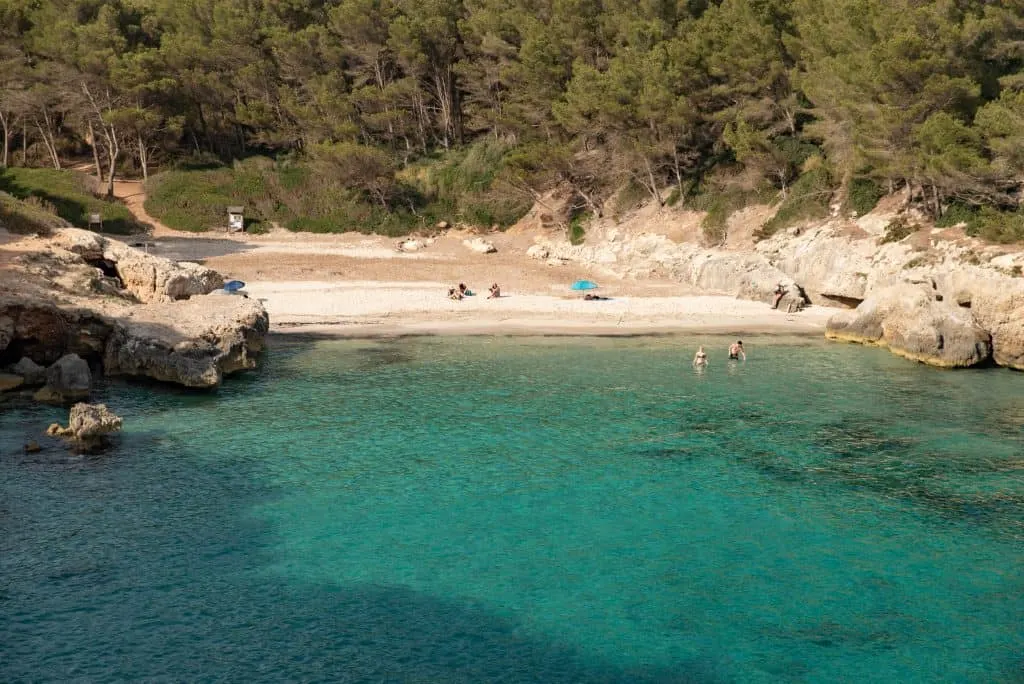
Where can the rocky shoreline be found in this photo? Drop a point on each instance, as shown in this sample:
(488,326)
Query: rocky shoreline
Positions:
(934,296)
(78,301)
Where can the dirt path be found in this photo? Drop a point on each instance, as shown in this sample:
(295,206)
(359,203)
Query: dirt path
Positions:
(133,194)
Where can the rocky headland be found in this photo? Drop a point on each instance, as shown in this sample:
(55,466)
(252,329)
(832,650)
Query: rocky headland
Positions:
(75,303)
(932,295)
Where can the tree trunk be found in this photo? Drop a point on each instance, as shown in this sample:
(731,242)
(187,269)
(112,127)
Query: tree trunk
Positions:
(5,121)
(24,143)
(937,204)
(112,154)
(95,153)
(652,185)
(143,158)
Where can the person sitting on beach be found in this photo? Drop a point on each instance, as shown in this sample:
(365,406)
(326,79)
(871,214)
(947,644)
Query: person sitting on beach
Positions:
(780,292)
(454,293)
(495,291)
(465,291)
(700,358)
(736,351)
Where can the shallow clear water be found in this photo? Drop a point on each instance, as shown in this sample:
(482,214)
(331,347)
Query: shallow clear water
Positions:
(544,510)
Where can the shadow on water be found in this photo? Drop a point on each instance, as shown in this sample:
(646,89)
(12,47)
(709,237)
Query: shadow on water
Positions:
(147,564)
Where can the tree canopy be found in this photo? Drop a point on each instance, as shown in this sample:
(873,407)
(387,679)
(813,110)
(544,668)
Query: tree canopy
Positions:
(590,93)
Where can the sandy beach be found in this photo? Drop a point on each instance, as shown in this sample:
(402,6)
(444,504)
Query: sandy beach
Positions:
(355,285)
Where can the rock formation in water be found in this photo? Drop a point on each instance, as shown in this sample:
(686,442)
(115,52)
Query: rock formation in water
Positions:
(916,324)
(128,312)
(935,296)
(68,379)
(89,426)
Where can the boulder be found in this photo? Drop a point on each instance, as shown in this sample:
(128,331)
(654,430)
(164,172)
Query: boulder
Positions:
(9,381)
(30,371)
(194,343)
(480,246)
(911,322)
(539,252)
(89,426)
(69,379)
(32,447)
(410,246)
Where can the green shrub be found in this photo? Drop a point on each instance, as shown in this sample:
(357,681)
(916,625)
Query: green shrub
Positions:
(673,197)
(27,216)
(998,226)
(69,195)
(577,233)
(957,213)
(898,229)
(863,195)
(808,199)
(714,226)
(629,197)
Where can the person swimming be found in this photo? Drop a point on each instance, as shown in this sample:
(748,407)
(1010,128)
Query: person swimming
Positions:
(700,359)
(736,351)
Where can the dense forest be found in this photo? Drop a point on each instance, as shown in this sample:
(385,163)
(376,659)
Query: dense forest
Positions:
(680,100)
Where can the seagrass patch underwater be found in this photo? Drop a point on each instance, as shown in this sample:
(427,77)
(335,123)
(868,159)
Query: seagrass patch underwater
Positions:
(532,509)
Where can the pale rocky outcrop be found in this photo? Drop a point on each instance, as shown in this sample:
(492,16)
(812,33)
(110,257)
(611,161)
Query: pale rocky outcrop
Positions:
(410,246)
(69,379)
(211,337)
(539,252)
(89,426)
(194,342)
(912,321)
(149,278)
(480,246)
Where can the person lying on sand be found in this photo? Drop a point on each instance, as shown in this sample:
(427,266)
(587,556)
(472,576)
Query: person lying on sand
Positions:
(594,298)
(495,291)
(700,358)
(454,293)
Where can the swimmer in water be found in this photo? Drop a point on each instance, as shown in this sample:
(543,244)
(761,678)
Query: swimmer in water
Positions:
(736,351)
(700,359)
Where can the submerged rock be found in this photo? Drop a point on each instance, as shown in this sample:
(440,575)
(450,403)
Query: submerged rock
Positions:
(69,379)
(89,426)
(911,322)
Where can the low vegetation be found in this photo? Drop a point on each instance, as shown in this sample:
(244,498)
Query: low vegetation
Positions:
(27,216)
(899,229)
(67,194)
(322,195)
(808,198)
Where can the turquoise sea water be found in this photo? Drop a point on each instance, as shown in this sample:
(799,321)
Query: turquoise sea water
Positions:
(528,510)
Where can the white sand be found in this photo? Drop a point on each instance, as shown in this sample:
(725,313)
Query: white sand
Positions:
(383,307)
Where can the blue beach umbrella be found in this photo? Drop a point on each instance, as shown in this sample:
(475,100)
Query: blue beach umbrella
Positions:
(233,285)
(584,285)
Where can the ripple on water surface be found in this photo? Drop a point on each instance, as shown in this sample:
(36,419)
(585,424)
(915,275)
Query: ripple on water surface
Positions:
(544,509)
